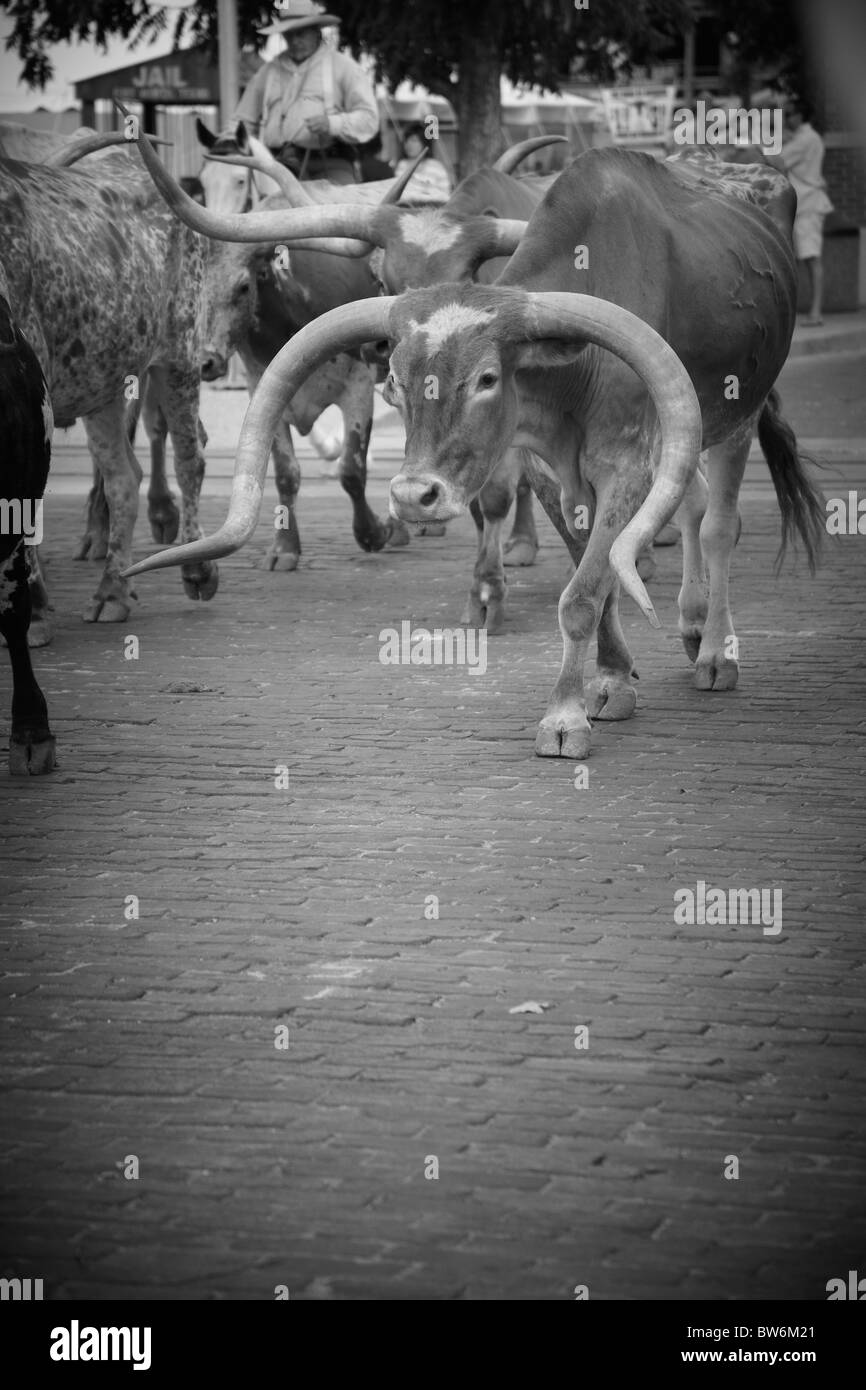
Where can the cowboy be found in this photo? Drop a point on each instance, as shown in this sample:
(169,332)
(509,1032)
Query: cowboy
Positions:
(312,105)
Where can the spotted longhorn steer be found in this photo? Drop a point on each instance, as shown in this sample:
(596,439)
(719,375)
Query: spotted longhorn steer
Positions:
(666,341)
(63,151)
(26,425)
(107,287)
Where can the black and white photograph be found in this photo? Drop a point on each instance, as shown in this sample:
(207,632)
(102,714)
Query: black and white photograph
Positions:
(432,532)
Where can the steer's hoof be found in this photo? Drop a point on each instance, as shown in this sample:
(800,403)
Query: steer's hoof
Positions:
(610,697)
(107,610)
(398,533)
(520,551)
(200,581)
(716,672)
(40,632)
(559,738)
(164,522)
(691,638)
(372,537)
(91,547)
(430,528)
(275,559)
(486,613)
(30,757)
(494,617)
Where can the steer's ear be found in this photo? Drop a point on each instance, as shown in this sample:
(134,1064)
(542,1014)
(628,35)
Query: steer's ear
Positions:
(205,137)
(548,352)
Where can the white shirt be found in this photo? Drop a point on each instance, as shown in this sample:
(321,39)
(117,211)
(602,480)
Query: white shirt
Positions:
(802,155)
(281,96)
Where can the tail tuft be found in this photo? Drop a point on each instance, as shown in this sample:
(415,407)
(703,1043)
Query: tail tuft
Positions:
(801,504)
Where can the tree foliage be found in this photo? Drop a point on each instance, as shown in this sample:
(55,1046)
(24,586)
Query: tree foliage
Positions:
(449,46)
(422,40)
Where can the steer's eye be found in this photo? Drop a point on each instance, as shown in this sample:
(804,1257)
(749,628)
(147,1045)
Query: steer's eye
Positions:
(488,380)
(244,288)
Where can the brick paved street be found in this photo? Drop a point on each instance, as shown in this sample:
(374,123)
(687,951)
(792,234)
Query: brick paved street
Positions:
(305,1166)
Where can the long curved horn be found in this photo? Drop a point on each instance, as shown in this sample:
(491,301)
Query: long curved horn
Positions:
(329,225)
(571,316)
(89,143)
(344,328)
(507,162)
(395,192)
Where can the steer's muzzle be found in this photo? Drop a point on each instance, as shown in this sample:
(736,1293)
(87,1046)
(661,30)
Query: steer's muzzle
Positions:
(423,498)
(213,366)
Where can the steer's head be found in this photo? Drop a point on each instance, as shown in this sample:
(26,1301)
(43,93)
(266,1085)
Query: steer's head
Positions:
(249,297)
(454,378)
(234,274)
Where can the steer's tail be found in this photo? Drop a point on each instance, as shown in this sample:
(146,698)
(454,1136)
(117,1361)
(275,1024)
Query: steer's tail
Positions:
(801,504)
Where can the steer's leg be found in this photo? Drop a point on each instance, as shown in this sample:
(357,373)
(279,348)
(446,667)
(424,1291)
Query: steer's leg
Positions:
(285,550)
(179,399)
(693,592)
(549,493)
(116,464)
(31,745)
(610,694)
(356,405)
(521,547)
(485,606)
(162,512)
(41,608)
(564,731)
(717,665)
(94,542)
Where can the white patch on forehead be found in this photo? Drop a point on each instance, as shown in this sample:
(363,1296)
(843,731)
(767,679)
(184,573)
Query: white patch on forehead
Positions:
(428,229)
(450,319)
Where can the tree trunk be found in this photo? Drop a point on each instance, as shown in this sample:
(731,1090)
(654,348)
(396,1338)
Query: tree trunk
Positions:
(477,103)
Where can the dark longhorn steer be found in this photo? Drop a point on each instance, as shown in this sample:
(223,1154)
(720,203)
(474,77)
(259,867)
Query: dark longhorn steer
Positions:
(255,300)
(26,425)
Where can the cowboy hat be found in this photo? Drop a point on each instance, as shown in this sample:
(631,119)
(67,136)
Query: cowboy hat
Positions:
(299,14)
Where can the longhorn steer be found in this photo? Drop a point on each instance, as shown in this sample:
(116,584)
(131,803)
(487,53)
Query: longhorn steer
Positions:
(62,151)
(26,424)
(254,304)
(617,374)
(106,286)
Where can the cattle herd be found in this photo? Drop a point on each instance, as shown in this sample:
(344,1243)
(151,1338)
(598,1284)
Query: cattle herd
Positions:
(606,341)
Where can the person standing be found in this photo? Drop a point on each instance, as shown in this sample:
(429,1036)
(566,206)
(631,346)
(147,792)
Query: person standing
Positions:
(801,158)
(312,105)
